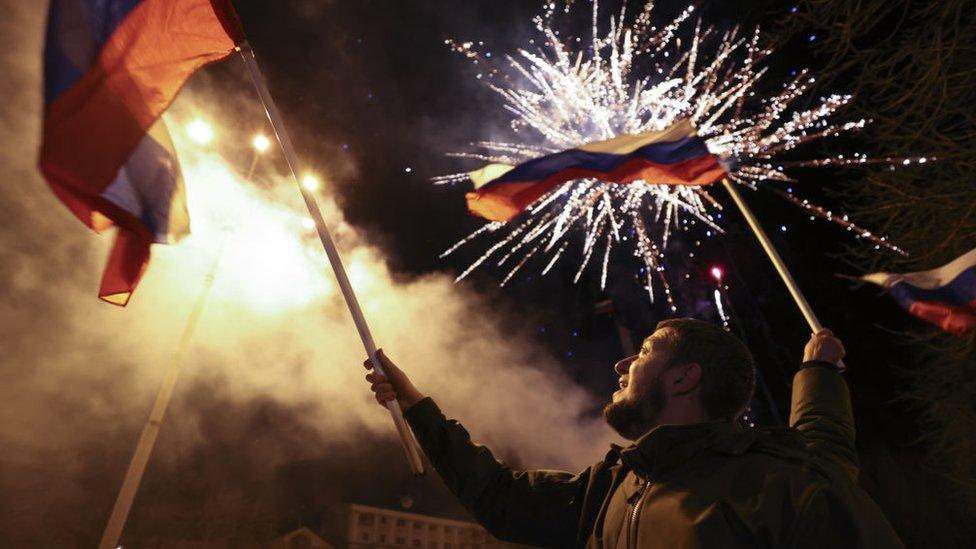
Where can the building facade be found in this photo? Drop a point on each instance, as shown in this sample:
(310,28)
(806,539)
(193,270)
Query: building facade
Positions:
(355,526)
(302,538)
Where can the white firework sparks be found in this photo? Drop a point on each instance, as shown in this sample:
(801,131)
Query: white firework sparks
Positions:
(637,78)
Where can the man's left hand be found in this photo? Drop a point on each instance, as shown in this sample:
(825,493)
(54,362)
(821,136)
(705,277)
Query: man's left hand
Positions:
(824,346)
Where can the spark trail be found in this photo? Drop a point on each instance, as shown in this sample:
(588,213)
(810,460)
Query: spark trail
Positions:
(636,77)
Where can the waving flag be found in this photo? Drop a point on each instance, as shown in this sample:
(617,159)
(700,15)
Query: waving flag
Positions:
(945,296)
(111,67)
(673,156)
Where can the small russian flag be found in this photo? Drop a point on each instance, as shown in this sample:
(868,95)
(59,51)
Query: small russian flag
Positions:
(945,296)
(111,67)
(673,156)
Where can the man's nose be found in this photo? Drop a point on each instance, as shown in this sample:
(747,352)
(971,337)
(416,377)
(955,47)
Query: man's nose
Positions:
(623,366)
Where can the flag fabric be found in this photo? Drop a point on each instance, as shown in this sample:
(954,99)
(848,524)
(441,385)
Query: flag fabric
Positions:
(111,67)
(945,296)
(673,156)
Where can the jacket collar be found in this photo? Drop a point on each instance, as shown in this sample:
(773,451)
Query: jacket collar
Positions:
(666,446)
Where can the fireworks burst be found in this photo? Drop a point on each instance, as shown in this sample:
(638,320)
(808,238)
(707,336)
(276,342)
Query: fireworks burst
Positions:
(636,78)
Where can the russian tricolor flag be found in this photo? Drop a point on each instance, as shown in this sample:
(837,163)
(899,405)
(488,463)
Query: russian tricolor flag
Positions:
(673,156)
(111,67)
(945,296)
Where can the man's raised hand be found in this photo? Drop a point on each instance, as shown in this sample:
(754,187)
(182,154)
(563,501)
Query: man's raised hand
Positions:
(824,346)
(394,385)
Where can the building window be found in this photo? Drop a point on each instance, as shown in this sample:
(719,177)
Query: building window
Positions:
(364,536)
(447,545)
(432,527)
(432,545)
(417,543)
(417,526)
(382,520)
(382,538)
(448,529)
(401,541)
(366,519)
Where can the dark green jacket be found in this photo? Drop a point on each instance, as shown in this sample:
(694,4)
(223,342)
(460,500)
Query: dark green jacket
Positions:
(706,485)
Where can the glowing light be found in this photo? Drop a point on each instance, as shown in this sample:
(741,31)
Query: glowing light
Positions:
(717,273)
(721,309)
(636,77)
(308,223)
(261,143)
(311,183)
(266,264)
(200,131)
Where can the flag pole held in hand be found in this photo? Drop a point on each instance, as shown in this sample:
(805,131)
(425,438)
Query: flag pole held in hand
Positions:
(777,261)
(277,123)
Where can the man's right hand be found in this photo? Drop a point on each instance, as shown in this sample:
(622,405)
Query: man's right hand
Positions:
(394,385)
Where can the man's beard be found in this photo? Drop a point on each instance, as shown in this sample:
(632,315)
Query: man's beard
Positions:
(632,418)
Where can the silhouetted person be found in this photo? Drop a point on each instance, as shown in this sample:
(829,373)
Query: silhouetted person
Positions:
(692,477)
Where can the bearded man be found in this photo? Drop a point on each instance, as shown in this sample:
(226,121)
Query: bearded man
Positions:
(692,477)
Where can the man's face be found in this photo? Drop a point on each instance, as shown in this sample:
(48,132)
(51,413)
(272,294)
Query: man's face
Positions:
(634,407)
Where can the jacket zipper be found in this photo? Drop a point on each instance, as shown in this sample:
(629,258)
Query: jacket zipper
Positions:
(634,516)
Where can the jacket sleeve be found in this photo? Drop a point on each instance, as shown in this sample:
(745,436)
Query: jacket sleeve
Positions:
(821,411)
(841,516)
(530,507)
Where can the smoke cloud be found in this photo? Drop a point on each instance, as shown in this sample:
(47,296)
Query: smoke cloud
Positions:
(272,421)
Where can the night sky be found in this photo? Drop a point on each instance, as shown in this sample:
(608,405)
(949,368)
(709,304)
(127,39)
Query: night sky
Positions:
(375,100)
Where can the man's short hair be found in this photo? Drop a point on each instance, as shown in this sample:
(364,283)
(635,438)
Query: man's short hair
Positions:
(728,369)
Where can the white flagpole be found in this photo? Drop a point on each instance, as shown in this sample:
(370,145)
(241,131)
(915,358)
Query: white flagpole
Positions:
(777,261)
(277,123)
(140,458)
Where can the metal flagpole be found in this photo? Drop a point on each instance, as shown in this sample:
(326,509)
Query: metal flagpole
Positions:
(777,261)
(277,123)
(137,466)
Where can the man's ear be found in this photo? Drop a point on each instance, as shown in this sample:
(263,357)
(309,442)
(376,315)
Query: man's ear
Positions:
(685,378)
